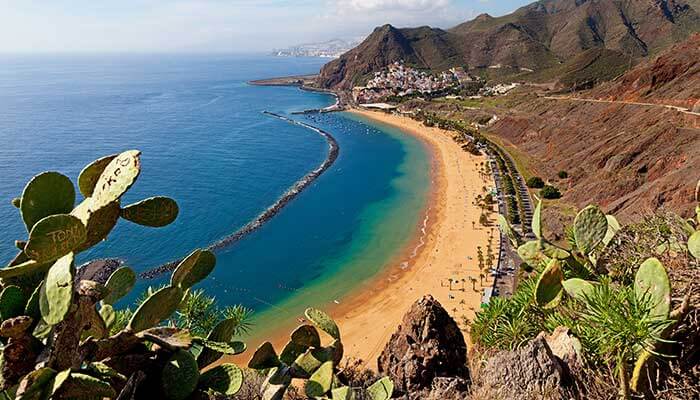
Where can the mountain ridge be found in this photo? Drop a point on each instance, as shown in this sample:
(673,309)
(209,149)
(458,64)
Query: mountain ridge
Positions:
(538,36)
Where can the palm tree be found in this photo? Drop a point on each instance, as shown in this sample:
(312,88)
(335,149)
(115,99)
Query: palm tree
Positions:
(473,283)
(481,279)
(450,280)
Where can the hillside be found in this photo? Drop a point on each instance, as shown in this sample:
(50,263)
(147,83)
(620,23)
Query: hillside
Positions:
(630,158)
(540,36)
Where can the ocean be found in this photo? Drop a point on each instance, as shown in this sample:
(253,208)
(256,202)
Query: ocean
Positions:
(206,143)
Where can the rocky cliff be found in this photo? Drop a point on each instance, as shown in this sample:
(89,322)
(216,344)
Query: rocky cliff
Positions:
(539,36)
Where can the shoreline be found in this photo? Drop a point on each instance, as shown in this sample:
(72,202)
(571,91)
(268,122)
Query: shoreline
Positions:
(438,251)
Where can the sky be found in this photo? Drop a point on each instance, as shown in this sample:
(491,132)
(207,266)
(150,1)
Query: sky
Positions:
(35,26)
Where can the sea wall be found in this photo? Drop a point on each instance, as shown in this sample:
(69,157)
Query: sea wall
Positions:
(275,208)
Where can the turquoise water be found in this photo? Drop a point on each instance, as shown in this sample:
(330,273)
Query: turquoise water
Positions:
(206,143)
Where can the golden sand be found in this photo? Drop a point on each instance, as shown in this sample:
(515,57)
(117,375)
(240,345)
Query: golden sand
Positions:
(451,236)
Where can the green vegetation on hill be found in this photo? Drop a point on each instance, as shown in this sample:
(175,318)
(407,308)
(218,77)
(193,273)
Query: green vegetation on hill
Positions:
(613,295)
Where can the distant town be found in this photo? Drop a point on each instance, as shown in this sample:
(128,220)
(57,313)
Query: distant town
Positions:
(330,49)
(399,81)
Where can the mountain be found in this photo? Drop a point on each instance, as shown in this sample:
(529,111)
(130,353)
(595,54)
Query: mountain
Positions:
(539,36)
(333,48)
(623,143)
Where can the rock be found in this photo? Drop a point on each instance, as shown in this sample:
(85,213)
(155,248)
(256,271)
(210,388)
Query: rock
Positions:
(446,389)
(427,345)
(531,372)
(565,346)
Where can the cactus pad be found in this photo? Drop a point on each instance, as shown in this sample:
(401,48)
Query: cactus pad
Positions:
(180,375)
(32,307)
(507,230)
(54,237)
(553,251)
(17,202)
(694,245)
(320,381)
(119,284)
(83,386)
(91,174)
(613,228)
(537,220)
(46,194)
(167,337)
(577,288)
(264,357)
(26,268)
(276,383)
(306,364)
(35,383)
(342,393)
(382,389)
(226,379)
(99,223)
(323,321)
(158,307)
(156,212)
(12,302)
(222,332)
(302,338)
(108,315)
(117,178)
(56,294)
(549,285)
(651,282)
(590,227)
(193,268)
(230,348)
(531,253)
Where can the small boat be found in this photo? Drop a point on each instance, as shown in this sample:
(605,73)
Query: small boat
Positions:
(336,301)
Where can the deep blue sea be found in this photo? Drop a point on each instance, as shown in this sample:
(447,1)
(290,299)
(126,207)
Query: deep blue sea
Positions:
(206,143)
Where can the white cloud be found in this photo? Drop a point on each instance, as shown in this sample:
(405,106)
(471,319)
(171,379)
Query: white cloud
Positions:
(394,5)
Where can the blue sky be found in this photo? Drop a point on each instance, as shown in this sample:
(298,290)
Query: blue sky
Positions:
(215,25)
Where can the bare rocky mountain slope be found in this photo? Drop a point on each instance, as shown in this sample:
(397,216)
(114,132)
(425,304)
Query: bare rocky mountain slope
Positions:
(540,36)
(623,147)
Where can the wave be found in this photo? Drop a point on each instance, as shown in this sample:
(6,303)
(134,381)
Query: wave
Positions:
(275,208)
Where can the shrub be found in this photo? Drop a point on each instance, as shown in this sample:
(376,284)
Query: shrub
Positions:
(550,192)
(563,174)
(535,182)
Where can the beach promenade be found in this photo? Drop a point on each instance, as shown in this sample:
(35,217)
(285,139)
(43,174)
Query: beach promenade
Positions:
(442,261)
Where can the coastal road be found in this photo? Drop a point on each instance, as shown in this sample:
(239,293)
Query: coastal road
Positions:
(633,103)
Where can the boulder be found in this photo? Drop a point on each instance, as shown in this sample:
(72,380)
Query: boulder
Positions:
(531,372)
(565,346)
(427,346)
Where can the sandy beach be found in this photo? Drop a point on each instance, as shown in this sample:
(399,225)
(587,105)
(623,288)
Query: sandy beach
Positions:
(447,250)
(444,249)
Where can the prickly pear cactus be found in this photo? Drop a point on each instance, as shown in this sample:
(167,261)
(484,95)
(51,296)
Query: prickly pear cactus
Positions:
(98,222)
(694,245)
(46,194)
(382,389)
(180,375)
(651,282)
(91,174)
(577,288)
(119,283)
(537,220)
(154,212)
(549,285)
(158,307)
(54,237)
(12,301)
(193,269)
(56,294)
(320,381)
(590,227)
(264,357)
(323,322)
(225,379)
(116,178)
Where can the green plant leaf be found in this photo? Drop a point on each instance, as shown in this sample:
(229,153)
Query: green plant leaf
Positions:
(652,281)
(180,376)
(46,194)
(590,227)
(119,284)
(12,302)
(158,307)
(323,321)
(694,245)
(613,228)
(549,285)
(226,379)
(55,236)
(155,212)
(195,267)
(382,389)
(320,381)
(56,294)
(116,178)
(537,220)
